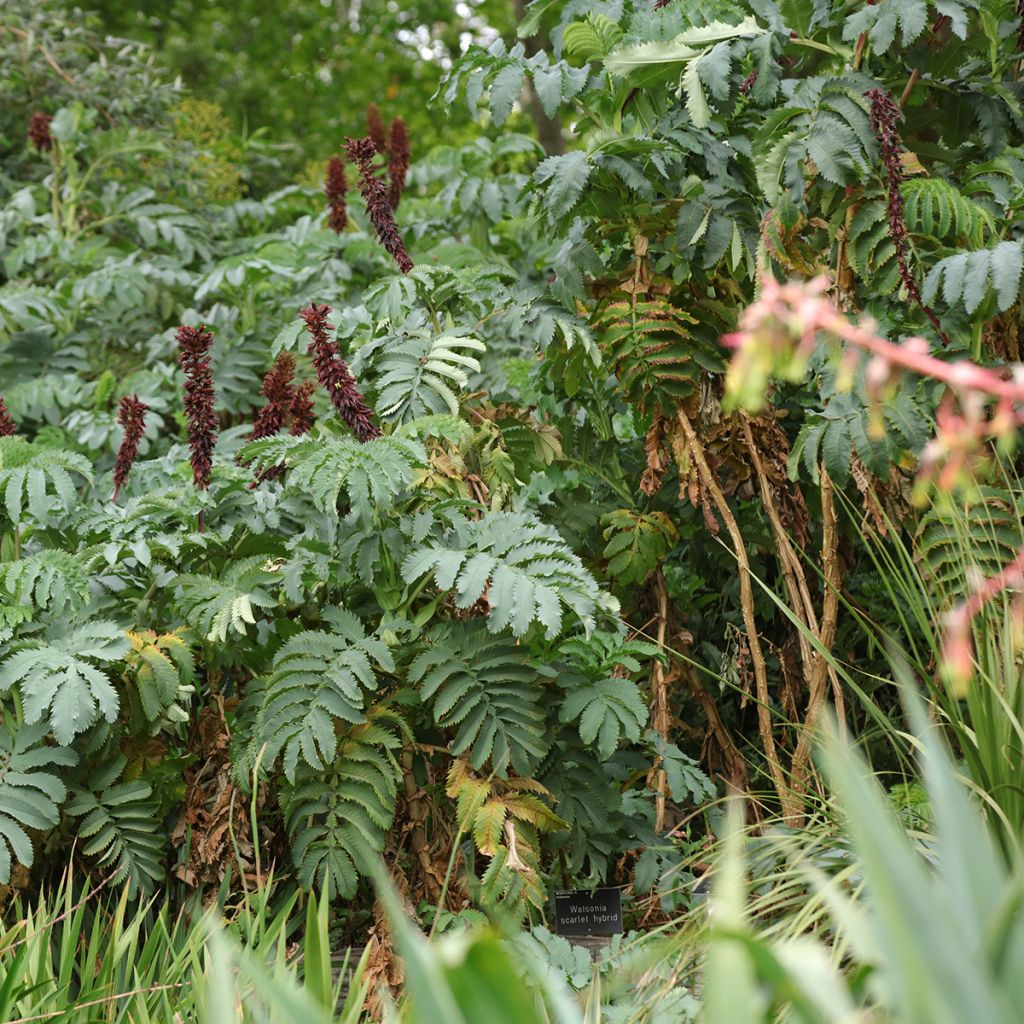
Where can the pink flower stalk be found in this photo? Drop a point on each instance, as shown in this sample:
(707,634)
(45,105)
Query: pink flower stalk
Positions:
(958,644)
(796,312)
(378,205)
(398,161)
(780,331)
(885,116)
(39,132)
(334,375)
(336,188)
(194,356)
(8,428)
(277,389)
(131,415)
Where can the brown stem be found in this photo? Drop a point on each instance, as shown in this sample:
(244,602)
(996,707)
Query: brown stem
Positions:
(417,832)
(736,767)
(791,804)
(858,53)
(789,562)
(549,129)
(827,635)
(909,88)
(659,701)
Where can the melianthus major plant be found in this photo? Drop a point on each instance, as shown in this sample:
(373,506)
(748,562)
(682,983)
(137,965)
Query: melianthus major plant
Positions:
(323,589)
(400,628)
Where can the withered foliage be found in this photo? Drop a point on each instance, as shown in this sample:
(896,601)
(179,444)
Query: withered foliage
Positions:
(214,831)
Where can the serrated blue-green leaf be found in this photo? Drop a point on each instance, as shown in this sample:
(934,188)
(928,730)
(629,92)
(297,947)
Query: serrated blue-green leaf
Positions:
(979,267)
(566,176)
(506,86)
(837,450)
(1007,265)
(696,102)
(547,83)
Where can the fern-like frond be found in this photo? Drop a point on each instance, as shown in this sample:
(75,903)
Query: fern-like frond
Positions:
(120,828)
(592,38)
(938,209)
(484,686)
(39,480)
(338,818)
(648,343)
(422,374)
(52,579)
(522,565)
(162,665)
(372,475)
(320,678)
(62,675)
(215,606)
(955,544)
(970,278)
(31,793)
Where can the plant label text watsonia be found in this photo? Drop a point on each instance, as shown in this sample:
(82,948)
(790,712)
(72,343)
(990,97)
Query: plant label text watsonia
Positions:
(582,912)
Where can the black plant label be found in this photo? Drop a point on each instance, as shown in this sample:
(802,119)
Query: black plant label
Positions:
(584,912)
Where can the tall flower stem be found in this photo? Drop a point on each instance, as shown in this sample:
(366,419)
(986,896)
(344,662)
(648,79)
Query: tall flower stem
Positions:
(334,375)
(885,115)
(378,203)
(194,345)
(131,415)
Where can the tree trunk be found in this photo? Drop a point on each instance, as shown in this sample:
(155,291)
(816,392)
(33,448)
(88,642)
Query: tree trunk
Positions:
(549,129)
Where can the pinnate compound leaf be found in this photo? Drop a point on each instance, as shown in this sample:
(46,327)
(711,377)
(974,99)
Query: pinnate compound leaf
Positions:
(63,676)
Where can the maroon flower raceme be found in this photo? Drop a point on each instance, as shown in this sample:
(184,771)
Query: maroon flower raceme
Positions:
(885,115)
(131,415)
(748,83)
(194,356)
(335,188)
(8,428)
(398,161)
(302,415)
(278,390)
(658,4)
(334,375)
(39,132)
(378,205)
(375,128)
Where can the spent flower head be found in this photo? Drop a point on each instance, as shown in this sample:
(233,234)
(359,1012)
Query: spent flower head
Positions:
(194,344)
(8,428)
(378,204)
(334,375)
(39,132)
(131,415)
(278,390)
(375,128)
